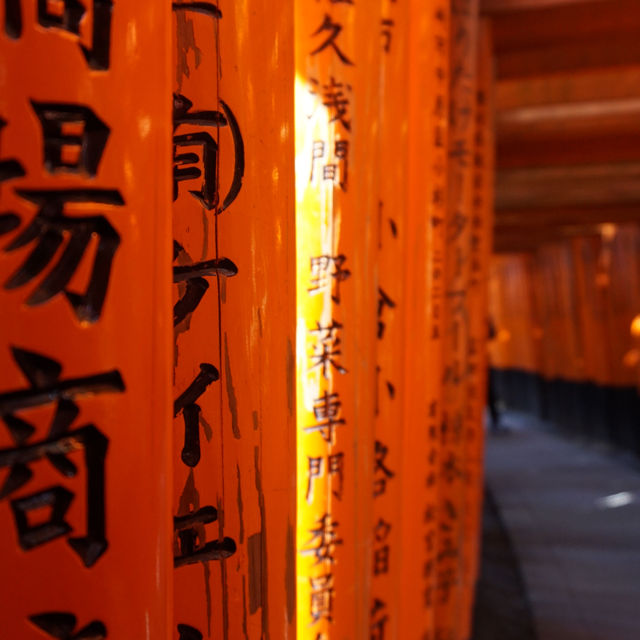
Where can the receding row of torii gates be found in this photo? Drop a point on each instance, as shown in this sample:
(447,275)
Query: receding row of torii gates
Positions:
(243,329)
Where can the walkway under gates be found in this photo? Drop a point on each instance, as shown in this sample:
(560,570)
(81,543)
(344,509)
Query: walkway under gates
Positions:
(573,515)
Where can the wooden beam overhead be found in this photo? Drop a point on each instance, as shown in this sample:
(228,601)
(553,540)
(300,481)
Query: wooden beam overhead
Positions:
(600,131)
(527,219)
(591,85)
(508,241)
(602,185)
(492,7)
(590,22)
(567,37)
(570,57)
(603,116)
(550,151)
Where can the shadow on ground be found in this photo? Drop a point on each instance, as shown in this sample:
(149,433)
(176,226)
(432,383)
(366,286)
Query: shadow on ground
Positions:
(502,610)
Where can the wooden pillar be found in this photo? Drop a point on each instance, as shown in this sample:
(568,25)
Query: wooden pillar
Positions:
(85,533)
(424,240)
(476,371)
(452,590)
(390,583)
(337,72)
(234,279)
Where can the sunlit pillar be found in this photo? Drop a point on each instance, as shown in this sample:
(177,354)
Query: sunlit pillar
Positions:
(338,49)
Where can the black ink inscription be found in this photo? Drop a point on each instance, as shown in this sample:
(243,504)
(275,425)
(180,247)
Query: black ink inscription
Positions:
(327,348)
(334,30)
(386,32)
(68,15)
(324,540)
(191,546)
(383,301)
(206,8)
(196,285)
(186,163)
(13,18)
(334,464)
(186,403)
(326,410)
(332,169)
(46,387)
(322,593)
(189,633)
(379,619)
(322,277)
(334,98)
(62,626)
(381,474)
(74,137)
(9,169)
(50,229)
(381,553)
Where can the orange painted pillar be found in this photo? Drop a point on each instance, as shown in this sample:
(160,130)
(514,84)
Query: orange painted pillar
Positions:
(338,48)
(424,237)
(234,306)
(85,534)
(452,590)
(477,294)
(390,583)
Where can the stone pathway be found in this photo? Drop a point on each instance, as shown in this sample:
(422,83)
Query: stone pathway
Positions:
(573,516)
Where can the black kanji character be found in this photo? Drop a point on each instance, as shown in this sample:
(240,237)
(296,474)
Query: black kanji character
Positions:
(46,387)
(322,592)
(381,560)
(386,33)
(383,301)
(74,137)
(326,410)
(327,348)
(380,472)
(324,540)
(193,275)
(317,153)
(185,164)
(334,29)
(186,403)
(68,15)
(50,229)
(336,467)
(378,621)
(322,277)
(191,547)
(341,152)
(334,98)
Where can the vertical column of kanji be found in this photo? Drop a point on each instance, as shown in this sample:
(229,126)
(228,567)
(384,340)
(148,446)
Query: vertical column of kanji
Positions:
(234,320)
(256,230)
(480,251)
(451,598)
(85,296)
(337,81)
(424,273)
(201,122)
(389,583)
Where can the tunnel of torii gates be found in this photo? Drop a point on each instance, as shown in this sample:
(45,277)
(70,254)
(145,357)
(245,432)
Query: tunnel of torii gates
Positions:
(244,328)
